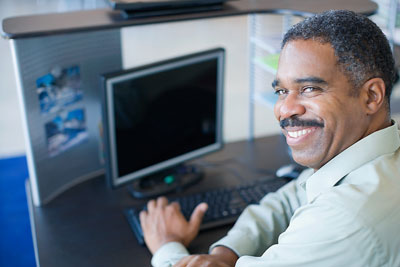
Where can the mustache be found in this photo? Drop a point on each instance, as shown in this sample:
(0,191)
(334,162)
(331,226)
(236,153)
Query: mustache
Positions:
(295,121)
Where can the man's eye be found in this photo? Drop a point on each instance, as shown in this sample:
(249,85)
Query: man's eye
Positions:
(280,91)
(310,89)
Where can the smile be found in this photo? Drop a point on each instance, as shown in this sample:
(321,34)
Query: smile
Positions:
(296,134)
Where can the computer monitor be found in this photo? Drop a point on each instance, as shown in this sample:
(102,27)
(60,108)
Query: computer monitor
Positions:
(159,116)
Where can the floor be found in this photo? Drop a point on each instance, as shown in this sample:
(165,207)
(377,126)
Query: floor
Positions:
(16,246)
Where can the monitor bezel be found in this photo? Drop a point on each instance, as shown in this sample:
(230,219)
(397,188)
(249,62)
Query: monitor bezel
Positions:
(109,134)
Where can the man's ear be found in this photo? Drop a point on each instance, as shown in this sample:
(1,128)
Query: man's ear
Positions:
(373,95)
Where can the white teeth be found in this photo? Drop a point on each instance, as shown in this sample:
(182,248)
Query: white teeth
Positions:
(295,134)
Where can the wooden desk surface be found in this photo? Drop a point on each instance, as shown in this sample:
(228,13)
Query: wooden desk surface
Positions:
(85,226)
(101,19)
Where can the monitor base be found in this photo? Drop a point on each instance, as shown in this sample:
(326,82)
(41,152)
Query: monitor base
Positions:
(171,180)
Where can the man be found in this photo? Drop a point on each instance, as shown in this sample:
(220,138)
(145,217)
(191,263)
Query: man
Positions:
(334,80)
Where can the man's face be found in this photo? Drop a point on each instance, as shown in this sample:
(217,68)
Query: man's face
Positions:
(318,116)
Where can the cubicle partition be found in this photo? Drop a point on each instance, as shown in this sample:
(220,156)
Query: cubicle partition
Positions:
(59,91)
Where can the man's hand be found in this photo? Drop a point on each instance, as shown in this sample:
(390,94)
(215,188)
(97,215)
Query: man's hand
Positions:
(219,257)
(163,223)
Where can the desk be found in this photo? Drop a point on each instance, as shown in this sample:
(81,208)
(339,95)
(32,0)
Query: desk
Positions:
(85,225)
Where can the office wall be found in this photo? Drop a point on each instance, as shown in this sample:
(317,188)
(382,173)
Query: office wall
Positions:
(11,135)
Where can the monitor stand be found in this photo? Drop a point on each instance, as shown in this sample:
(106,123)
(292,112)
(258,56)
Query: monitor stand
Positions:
(171,180)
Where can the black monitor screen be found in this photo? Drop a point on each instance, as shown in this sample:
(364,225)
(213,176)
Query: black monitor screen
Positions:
(163,114)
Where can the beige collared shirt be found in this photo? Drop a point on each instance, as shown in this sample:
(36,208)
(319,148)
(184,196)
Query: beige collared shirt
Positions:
(345,214)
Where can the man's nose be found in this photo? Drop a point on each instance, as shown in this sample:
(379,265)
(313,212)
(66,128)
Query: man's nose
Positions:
(291,106)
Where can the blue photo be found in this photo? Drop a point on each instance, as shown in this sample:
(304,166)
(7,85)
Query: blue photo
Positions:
(66,131)
(59,88)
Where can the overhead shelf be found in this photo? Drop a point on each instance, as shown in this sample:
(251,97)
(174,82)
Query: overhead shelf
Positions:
(102,19)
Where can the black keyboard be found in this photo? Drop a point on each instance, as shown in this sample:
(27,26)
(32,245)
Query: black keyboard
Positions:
(224,204)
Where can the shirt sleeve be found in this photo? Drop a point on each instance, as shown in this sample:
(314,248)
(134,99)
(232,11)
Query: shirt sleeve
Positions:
(322,234)
(259,226)
(169,254)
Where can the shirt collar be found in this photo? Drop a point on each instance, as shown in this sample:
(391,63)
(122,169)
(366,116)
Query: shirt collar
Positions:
(374,145)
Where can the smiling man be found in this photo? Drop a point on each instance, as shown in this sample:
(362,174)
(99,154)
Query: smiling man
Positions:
(334,80)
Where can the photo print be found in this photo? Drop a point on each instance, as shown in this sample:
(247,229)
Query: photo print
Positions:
(59,88)
(65,131)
